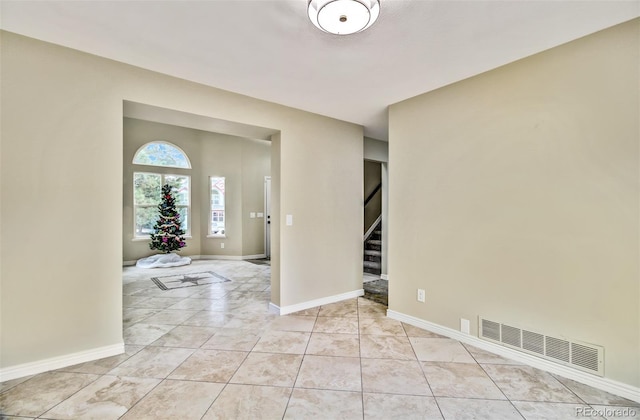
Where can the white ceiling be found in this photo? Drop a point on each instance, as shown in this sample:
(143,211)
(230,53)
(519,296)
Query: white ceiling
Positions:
(269,49)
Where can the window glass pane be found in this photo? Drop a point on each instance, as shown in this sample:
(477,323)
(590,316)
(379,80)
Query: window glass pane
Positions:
(145,220)
(216,222)
(179,188)
(161,154)
(146,188)
(184,218)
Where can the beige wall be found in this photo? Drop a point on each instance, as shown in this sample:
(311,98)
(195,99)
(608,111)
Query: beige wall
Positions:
(62,189)
(514,195)
(256,159)
(242,162)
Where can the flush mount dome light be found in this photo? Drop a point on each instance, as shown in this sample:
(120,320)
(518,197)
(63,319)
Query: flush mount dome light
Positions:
(343,17)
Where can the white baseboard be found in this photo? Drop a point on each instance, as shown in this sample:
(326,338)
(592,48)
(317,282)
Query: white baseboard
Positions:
(211,257)
(384,277)
(33,368)
(230,257)
(284,310)
(605,384)
(274,309)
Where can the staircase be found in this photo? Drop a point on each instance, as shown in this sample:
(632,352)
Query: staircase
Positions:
(373,251)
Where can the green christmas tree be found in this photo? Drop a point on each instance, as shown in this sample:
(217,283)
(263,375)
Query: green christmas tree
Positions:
(167,236)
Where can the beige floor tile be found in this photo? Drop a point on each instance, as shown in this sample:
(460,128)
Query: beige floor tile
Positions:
(483,356)
(102,366)
(109,397)
(191,304)
(283,342)
(211,293)
(156,302)
(346,309)
(440,350)
(465,409)
(129,301)
(249,402)
(143,334)
(336,325)
(553,411)
(186,336)
(153,362)
(405,407)
(208,319)
(461,380)
(322,344)
(6,385)
(293,323)
(268,369)
(243,320)
(372,311)
(182,292)
(592,395)
(308,312)
(42,392)
(330,372)
(257,308)
(381,326)
(386,347)
(222,305)
(233,339)
(323,404)
(170,317)
(363,301)
(524,383)
(413,331)
(394,377)
(131,316)
(171,400)
(210,366)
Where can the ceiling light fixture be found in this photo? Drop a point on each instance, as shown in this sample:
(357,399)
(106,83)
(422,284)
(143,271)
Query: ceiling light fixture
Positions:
(343,17)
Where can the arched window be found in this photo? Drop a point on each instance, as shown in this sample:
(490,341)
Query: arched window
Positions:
(161,153)
(147,186)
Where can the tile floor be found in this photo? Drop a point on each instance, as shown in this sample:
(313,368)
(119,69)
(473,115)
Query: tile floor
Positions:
(215,352)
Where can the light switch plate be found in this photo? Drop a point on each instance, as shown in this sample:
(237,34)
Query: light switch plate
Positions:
(252,215)
(289,220)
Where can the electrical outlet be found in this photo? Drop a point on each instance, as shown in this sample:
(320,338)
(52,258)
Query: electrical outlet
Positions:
(221,244)
(421,295)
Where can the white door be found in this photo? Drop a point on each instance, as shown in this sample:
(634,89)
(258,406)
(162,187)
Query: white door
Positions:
(267,216)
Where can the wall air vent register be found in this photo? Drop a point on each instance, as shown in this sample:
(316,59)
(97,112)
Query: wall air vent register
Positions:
(583,356)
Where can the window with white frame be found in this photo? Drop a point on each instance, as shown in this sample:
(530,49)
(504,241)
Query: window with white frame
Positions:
(216,216)
(147,186)
(147,195)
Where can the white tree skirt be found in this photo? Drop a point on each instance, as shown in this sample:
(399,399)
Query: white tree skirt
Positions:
(163,260)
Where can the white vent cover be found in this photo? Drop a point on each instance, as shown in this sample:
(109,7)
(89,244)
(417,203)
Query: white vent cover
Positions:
(583,356)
